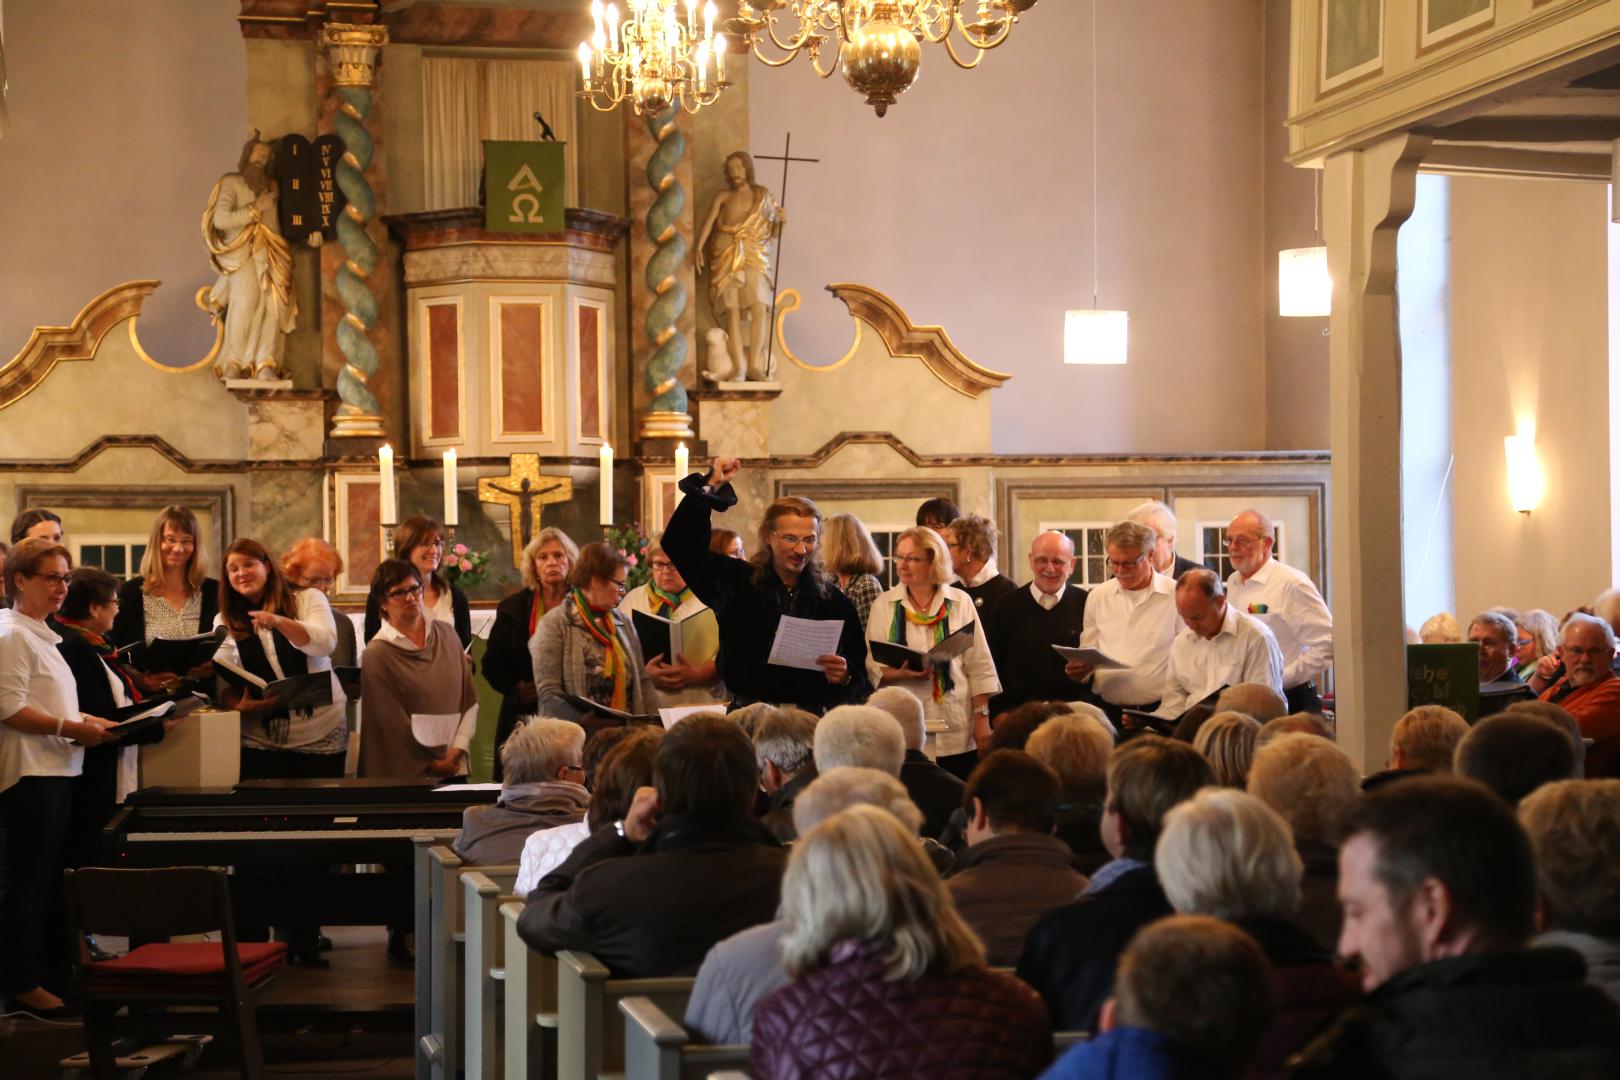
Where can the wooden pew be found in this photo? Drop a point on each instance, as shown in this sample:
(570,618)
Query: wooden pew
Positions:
(529,1027)
(427,1044)
(656,1047)
(590,1028)
(482,893)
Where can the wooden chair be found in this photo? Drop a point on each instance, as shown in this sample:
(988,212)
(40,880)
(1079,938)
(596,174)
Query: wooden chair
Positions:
(658,1048)
(529,1026)
(590,1028)
(153,906)
(482,893)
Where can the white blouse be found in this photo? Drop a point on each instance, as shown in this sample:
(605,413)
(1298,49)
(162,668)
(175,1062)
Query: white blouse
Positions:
(949,722)
(33,673)
(306,729)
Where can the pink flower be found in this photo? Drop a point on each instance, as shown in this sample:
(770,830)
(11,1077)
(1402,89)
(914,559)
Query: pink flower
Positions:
(466,565)
(631,559)
(461,549)
(644,549)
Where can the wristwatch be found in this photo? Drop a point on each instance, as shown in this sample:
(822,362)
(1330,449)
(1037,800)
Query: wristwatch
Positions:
(618,827)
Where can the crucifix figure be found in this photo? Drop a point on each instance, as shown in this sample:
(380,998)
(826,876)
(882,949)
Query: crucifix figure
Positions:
(524,492)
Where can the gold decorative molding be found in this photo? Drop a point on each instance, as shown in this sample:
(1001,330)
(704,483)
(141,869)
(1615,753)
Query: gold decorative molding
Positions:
(201,300)
(902,337)
(48,346)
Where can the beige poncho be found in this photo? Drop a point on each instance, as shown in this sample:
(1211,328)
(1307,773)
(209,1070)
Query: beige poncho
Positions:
(398,681)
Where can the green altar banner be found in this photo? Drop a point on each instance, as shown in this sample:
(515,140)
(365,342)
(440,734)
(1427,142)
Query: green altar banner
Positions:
(1444,675)
(523,185)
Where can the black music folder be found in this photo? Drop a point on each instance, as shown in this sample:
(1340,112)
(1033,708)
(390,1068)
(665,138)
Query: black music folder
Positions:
(892,654)
(178,655)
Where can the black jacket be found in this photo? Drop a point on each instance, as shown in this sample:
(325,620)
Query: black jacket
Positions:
(657,909)
(507,662)
(778,815)
(749,611)
(1518,1013)
(937,792)
(459,613)
(129,625)
(1070,955)
(1021,634)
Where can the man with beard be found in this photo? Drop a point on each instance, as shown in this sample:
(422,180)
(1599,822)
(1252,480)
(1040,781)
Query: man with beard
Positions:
(741,221)
(254,290)
(1588,689)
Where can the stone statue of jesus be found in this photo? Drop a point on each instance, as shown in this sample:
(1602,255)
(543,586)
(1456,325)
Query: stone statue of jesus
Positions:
(732,248)
(255,289)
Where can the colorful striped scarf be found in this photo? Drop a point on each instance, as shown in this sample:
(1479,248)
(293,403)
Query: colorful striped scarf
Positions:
(943,683)
(663,603)
(615,661)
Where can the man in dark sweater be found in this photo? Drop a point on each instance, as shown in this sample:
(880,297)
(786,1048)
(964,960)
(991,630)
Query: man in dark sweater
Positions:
(749,598)
(972,542)
(1024,624)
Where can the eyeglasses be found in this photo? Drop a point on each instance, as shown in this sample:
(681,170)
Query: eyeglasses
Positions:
(914,560)
(621,585)
(1118,565)
(796,541)
(54,579)
(321,583)
(409,592)
(1238,543)
(661,564)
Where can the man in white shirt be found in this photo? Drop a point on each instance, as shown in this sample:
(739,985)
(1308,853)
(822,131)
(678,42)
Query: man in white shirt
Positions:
(1131,618)
(1158,517)
(1287,601)
(1221,646)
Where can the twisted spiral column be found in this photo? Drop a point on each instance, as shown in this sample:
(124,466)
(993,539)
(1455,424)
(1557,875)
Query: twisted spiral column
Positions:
(667,416)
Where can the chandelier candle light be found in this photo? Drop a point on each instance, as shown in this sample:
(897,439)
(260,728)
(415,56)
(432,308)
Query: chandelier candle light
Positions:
(653,59)
(878,42)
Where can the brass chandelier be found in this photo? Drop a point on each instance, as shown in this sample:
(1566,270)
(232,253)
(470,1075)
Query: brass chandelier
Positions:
(654,59)
(878,43)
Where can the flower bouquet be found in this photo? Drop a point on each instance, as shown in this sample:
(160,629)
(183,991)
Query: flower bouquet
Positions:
(465,568)
(628,541)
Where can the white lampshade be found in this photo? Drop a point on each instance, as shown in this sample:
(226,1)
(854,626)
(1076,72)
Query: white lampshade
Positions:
(1303,285)
(1525,481)
(1094,337)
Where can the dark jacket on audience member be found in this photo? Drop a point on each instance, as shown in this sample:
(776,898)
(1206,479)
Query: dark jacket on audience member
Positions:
(1319,913)
(1069,956)
(1002,885)
(749,611)
(507,662)
(460,613)
(846,1020)
(657,909)
(778,816)
(129,625)
(1080,826)
(937,792)
(1307,988)
(1131,1053)
(1513,1013)
(494,835)
(1021,635)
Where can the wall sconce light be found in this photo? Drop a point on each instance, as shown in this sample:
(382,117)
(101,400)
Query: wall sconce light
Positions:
(1525,480)
(1095,337)
(1304,287)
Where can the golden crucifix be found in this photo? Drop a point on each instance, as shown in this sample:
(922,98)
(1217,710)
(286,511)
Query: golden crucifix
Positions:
(523,491)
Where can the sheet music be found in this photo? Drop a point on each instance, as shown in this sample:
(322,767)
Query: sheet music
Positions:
(434,729)
(1093,657)
(799,641)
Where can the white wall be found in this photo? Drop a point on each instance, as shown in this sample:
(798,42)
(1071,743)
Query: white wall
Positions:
(971,205)
(122,117)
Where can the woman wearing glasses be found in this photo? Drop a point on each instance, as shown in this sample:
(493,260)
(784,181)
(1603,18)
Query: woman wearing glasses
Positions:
(586,650)
(690,678)
(173,597)
(920,612)
(420,541)
(42,736)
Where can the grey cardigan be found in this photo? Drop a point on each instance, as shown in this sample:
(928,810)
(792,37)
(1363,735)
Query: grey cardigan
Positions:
(559,649)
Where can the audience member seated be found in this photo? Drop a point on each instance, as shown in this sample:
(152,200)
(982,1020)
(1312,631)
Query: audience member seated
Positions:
(936,792)
(1227,740)
(543,770)
(861,736)
(1227,854)
(1440,629)
(1252,699)
(1314,786)
(742,969)
(1538,637)
(1193,1002)
(686,867)
(784,747)
(1292,724)
(1014,727)
(1070,954)
(1423,741)
(1220,647)
(1076,746)
(1439,893)
(1588,688)
(1025,623)
(1014,870)
(879,959)
(1559,717)
(1513,754)
(1574,828)
(623,765)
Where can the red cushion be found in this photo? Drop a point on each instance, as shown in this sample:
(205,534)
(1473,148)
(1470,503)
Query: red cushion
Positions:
(189,958)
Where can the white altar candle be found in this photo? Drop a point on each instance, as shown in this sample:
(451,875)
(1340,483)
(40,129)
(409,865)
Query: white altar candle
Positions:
(452,514)
(605,507)
(385,467)
(682,462)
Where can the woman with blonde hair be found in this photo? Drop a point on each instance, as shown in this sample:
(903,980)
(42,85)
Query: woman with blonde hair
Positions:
(420,541)
(173,597)
(1227,740)
(545,564)
(851,553)
(921,611)
(1538,636)
(878,955)
(693,676)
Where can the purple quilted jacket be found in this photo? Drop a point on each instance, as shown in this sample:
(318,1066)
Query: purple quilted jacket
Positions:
(844,1022)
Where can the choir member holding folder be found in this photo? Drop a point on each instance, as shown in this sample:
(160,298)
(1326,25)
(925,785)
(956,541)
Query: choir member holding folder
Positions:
(750,599)
(173,597)
(417,699)
(678,634)
(926,638)
(545,565)
(587,661)
(276,633)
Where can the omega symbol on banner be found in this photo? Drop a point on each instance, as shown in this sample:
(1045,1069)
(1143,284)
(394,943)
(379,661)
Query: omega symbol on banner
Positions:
(526,206)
